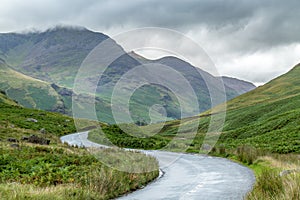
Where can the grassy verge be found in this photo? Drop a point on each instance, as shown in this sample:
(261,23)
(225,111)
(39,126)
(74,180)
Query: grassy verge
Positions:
(277,175)
(61,172)
(272,182)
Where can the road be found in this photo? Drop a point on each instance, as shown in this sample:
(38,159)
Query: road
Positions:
(187,176)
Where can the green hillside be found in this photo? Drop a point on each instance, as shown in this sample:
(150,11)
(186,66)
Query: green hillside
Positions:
(267,118)
(34,93)
(4,99)
(31,169)
(283,87)
(27,91)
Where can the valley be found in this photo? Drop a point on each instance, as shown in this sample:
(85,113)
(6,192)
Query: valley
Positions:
(37,100)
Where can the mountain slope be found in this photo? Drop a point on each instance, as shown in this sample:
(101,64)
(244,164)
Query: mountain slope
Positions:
(27,91)
(4,99)
(283,87)
(197,77)
(54,56)
(238,85)
(266,117)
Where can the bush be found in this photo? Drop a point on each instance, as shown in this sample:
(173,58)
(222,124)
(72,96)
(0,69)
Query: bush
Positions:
(247,154)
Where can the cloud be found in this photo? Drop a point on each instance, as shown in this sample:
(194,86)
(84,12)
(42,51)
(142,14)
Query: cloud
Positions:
(261,22)
(261,66)
(230,31)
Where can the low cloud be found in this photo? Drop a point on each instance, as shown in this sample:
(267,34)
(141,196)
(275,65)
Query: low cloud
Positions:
(253,34)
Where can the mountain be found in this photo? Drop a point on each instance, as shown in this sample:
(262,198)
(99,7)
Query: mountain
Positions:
(27,91)
(283,87)
(54,57)
(233,87)
(34,93)
(5,100)
(240,86)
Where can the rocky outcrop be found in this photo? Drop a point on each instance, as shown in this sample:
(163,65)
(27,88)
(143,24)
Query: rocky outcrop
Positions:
(38,140)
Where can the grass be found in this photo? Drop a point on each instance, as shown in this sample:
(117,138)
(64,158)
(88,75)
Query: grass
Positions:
(113,134)
(5,100)
(57,171)
(73,173)
(69,169)
(270,184)
(12,117)
(272,181)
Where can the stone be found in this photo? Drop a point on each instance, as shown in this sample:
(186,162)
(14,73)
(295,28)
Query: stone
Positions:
(287,172)
(24,138)
(206,147)
(43,131)
(38,140)
(12,140)
(31,120)
(15,145)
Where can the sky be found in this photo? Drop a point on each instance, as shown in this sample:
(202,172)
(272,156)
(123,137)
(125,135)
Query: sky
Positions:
(251,40)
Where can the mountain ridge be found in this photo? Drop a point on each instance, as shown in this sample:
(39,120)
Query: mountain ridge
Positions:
(55,55)
(240,86)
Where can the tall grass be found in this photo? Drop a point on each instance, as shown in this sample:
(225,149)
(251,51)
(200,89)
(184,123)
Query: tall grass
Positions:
(273,185)
(247,154)
(70,173)
(277,175)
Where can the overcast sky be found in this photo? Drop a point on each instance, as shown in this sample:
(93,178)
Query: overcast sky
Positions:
(254,40)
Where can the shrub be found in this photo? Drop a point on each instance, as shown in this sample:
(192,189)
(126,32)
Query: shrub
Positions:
(247,154)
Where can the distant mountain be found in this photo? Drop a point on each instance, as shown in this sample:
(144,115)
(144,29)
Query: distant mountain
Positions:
(54,57)
(34,93)
(233,87)
(238,85)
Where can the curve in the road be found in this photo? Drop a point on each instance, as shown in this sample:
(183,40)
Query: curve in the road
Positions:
(189,177)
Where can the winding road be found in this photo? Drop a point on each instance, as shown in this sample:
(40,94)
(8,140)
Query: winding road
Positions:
(187,176)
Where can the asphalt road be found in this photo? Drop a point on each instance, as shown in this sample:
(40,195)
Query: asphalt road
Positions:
(187,176)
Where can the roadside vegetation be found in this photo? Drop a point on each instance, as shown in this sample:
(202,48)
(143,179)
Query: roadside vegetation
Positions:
(277,175)
(113,134)
(58,171)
